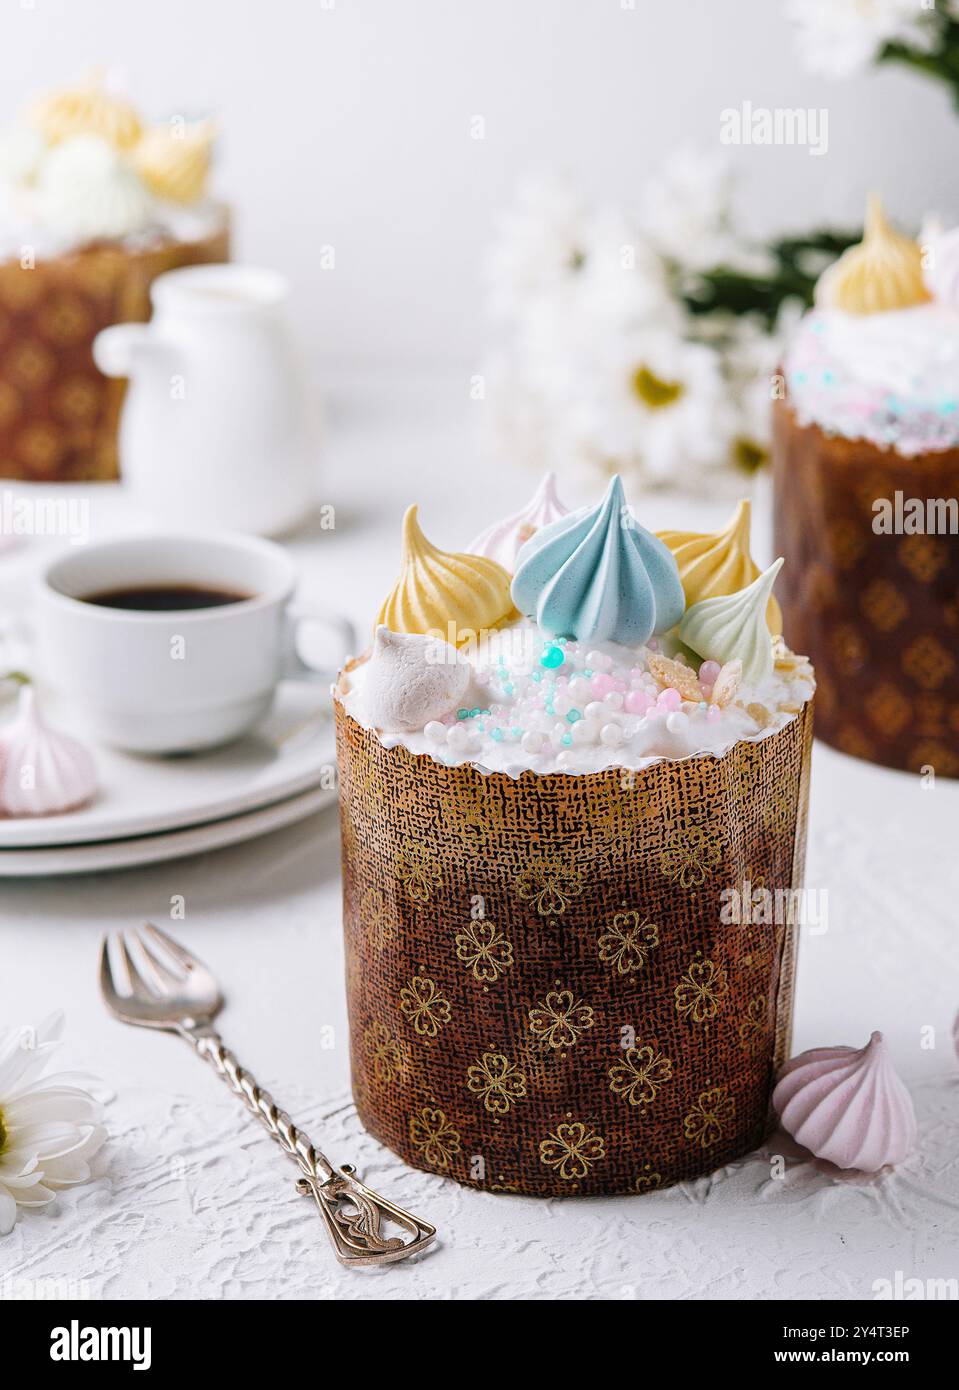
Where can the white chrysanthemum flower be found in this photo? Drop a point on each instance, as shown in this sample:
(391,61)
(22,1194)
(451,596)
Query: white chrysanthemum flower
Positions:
(623,279)
(838,38)
(539,245)
(652,403)
(686,209)
(49,1128)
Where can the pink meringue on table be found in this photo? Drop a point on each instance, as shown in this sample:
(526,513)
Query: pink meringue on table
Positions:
(42,772)
(502,541)
(847,1105)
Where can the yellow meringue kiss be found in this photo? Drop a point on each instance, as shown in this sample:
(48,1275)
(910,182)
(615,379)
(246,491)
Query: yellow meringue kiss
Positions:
(732,627)
(883,272)
(174,160)
(455,597)
(87,109)
(713,565)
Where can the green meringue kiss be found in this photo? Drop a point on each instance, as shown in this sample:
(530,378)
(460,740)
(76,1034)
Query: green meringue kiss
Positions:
(734,626)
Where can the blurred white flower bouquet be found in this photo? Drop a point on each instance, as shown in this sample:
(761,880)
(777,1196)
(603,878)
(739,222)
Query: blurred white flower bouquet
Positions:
(839,38)
(642,343)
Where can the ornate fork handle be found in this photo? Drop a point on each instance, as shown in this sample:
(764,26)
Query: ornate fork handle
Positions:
(352,1212)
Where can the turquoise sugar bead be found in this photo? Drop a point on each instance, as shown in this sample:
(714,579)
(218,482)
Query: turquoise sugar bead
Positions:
(574,715)
(508,688)
(552,657)
(497,734)
(536,675)
(474,712)
(566,739)
(462,714)
(517,733)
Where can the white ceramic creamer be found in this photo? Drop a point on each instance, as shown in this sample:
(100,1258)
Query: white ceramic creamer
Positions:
(217,428)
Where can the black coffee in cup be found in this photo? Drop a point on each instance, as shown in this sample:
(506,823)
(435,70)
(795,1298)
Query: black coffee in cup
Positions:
(164,598)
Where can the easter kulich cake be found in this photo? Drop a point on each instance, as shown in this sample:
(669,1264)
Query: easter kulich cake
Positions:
(866,480)
(551,778)
(95,204)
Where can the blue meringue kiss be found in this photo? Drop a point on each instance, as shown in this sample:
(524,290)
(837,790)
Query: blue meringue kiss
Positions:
(597,575)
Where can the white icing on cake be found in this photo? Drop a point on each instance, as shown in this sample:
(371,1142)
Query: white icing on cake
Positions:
(596,723)
(890,378)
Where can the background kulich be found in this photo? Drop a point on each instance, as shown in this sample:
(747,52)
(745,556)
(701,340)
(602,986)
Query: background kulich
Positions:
(58,413)
(502,1035)
(878,615)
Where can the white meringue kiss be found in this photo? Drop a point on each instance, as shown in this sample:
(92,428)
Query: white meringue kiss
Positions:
(847,1105)
(42,772)
(413,680)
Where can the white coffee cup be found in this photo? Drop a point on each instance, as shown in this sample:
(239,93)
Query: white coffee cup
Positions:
(173,681)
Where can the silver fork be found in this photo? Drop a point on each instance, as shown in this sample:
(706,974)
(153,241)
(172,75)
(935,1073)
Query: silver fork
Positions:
(170,989)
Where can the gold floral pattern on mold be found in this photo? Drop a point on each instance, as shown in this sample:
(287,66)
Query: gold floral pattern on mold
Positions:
(385,1058)
(927,662)
(435,1138)
(476,814)
(561,1019)
(627,941)
(701,991)
(754,1026)
(497,1081)
(708,1120)
(691,852)
(923,556)
(888,708)
(484,950)
(418,872)
(549,885)
(424,1006)
(638,1077)
(883,605)
(572,1149)
(375,918)
(648,1182)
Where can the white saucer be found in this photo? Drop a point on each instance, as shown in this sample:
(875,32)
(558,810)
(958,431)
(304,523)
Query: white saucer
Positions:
(290,752)
(154,849)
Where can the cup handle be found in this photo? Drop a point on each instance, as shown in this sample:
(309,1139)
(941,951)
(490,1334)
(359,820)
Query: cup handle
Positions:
(292,665)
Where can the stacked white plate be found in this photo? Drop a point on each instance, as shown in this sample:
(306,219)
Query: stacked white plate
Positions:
(153,809)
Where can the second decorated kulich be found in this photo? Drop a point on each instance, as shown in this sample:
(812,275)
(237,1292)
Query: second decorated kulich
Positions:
(554,778)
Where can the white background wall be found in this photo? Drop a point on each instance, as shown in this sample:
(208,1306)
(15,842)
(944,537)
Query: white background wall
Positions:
(347,122)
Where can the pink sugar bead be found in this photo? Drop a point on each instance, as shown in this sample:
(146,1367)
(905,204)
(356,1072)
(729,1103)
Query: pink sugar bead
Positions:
(620,686)
(637,673)
(601,685)
(637,702)
(670,699)
(709,672)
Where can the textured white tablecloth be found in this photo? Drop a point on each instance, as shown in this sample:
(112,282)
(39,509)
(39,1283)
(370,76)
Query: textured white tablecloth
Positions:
(194,1203)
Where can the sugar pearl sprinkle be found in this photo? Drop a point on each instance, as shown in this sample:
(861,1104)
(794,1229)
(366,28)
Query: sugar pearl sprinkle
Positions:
(558,702)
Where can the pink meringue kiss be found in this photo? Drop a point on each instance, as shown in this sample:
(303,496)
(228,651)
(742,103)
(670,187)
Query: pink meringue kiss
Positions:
(847,1105)
(42,772)
(503,541)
